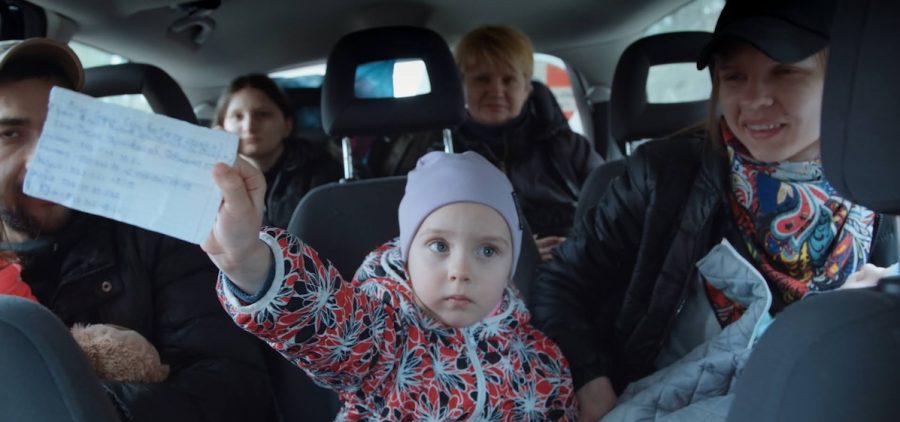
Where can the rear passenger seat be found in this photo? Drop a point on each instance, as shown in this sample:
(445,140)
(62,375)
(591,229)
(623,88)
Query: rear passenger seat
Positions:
(345,221)
(632,117)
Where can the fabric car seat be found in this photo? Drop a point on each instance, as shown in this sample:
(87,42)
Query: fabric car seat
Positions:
(44,374)
(631,116)
(345,220)
(834,357)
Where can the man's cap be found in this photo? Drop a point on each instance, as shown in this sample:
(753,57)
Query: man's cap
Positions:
(44,50)
(785,30)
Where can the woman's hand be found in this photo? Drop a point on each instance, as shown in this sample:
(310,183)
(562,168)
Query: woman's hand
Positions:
(867,276)
(234,245)
(595,399)
(545,246)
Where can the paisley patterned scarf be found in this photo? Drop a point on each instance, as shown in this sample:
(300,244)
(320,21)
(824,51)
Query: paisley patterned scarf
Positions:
(800,234)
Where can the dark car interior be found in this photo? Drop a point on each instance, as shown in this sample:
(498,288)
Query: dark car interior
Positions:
(181,55)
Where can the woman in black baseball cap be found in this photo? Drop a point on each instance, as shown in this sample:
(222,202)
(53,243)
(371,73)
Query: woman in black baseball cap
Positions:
(767,62)
(709,234)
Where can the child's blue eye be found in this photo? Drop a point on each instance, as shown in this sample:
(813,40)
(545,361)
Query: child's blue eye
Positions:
(438,246)
(487,251)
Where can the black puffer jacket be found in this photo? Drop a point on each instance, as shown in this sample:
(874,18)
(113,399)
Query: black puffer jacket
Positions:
(302,166)
(101,271)
(612,292)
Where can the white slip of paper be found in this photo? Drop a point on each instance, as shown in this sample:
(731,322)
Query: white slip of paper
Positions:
(143,169)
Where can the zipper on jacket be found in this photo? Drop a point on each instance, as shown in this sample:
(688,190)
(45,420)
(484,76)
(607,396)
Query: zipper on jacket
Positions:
(471,352)
(698,250)
(671,323)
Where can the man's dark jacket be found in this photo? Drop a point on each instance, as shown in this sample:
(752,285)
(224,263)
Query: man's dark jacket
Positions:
(100,271)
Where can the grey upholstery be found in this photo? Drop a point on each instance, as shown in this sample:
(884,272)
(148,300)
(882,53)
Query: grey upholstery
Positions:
(46,377)
(631,116)
(345,115)
(835,357)
(161,91)
(829,358)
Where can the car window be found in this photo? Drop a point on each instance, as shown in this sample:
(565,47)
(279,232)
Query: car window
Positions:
(553,72)
(305,76)
(391,78)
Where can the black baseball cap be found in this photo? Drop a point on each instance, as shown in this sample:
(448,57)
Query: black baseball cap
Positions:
(785,30)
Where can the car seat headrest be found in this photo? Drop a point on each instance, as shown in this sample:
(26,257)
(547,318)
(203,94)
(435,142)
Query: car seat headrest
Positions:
(344,114)
(161,91)
(632,117)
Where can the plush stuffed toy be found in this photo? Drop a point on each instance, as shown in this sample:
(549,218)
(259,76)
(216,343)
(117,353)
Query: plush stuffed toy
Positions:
(116,353)
(120,354)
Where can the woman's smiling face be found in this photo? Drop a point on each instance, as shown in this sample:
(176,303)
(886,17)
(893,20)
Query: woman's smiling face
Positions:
(773,108)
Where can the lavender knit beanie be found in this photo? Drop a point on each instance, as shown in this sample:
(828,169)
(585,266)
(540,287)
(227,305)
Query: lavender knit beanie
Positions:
(440,179)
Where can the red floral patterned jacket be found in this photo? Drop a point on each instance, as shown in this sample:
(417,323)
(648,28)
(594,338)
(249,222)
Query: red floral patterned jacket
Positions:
(388,360)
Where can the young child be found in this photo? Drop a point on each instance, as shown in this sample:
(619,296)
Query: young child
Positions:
(429,328)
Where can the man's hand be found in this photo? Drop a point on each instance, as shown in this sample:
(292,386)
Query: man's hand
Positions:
(234,245)
(595,400)
(545,246)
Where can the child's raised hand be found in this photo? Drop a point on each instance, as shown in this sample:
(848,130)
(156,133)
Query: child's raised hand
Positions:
(234,245)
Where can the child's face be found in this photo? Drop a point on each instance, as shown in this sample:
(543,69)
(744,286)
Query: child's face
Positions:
(459,262)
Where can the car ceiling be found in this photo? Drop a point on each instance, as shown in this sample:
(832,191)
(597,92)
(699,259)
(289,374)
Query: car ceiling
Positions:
(261,36)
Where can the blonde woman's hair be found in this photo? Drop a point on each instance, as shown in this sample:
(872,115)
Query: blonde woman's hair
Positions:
(498,46)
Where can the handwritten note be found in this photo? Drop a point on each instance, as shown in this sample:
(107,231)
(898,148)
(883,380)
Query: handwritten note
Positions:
(143,169)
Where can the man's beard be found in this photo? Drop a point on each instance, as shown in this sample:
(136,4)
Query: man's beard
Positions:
(18,219)
(18,222)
